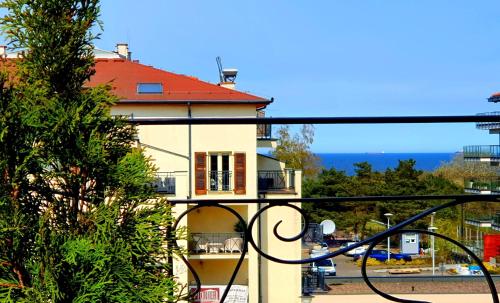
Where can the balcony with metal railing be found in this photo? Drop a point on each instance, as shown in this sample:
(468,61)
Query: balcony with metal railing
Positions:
(165,183)
(486,153)
(276,180)
(216,243)
(220,180)
(489,125)
(482,186)
(264,132)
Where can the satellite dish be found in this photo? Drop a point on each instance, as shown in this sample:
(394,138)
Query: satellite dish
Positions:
(328,227)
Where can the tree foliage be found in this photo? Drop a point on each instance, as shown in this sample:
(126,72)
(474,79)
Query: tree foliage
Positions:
(458,170)
(77,218)
(294,149)
(354,216)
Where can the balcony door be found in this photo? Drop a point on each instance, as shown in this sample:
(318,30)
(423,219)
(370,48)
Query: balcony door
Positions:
(220,175)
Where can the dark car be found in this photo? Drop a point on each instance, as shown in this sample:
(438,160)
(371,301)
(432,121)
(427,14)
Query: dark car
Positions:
(381,255)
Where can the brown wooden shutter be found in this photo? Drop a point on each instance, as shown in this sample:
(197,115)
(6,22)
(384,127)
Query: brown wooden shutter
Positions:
(239,173)
(200,173)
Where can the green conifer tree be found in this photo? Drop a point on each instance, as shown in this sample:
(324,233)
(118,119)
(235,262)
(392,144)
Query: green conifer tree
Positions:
(78,218)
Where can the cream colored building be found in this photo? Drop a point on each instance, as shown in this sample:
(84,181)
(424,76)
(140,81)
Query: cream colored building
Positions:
(215,162)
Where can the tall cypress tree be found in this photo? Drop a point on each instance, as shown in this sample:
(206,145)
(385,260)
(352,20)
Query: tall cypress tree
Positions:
(78,220)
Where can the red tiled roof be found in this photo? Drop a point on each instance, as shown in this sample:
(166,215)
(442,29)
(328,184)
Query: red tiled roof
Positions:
(123,76)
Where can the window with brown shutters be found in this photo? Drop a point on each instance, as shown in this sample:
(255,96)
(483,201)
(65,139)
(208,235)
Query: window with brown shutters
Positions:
(200,174)
(239,173)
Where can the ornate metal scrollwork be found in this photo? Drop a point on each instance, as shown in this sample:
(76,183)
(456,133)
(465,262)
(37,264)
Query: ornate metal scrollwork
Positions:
(372,241)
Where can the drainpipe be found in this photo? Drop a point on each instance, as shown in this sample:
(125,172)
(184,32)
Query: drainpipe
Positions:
(189,154)
(259,243)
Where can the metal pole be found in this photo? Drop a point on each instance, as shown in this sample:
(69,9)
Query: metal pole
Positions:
(433,256)
(432,228)
(388,241)
(388,215)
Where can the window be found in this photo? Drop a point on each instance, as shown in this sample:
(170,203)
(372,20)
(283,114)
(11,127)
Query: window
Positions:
(214,172)
(150,88)
(219,174)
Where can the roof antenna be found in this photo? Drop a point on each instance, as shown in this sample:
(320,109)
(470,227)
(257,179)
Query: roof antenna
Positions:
(219,64)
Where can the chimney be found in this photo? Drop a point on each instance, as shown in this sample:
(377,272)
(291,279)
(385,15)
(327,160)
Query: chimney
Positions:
(3,51)
(228,78)
(122,50)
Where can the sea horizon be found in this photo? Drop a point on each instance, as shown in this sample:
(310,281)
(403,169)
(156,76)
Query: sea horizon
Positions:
(381,161)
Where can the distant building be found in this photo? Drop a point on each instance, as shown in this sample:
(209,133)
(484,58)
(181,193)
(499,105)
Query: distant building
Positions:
(480,232)
(212,162)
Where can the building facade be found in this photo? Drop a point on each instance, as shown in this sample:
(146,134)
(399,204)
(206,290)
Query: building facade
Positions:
(477,229)
(214,162)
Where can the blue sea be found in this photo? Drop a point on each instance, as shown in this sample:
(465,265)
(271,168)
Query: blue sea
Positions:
(383,161)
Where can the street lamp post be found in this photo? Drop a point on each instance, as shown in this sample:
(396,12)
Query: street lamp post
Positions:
(432,228)
(388,215)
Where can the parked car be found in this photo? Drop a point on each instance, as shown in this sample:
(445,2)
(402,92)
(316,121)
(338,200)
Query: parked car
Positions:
(321,249)
(327,266)
(354,251)
(381,255)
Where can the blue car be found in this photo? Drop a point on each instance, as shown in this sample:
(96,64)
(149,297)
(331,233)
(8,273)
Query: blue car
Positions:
(381,255)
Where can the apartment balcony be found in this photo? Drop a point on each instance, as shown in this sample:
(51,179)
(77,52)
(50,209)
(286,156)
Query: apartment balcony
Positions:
(265,133)
(483,186)
(220,181)
(482,153)
(165,183)
(215,245)
(276,180)
(489,125)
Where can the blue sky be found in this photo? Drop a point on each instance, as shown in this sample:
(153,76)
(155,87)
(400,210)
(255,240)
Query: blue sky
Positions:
(333,58)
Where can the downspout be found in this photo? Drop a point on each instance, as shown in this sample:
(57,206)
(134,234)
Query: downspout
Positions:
(189,154)
(259,243)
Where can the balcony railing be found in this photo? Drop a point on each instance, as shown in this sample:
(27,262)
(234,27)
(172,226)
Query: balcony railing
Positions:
(264,131)
(220,180)
(492,185)
(276,179)
(482,151)
(216,243)
(252,238)
(489,125)
(165,183)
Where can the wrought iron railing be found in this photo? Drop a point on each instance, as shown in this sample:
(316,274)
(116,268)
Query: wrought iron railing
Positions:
(269,180)
(488,125)
(219,180)
(216,243)
(264,131)
(165,183)
(476,186)
(481,151)
(447,201)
